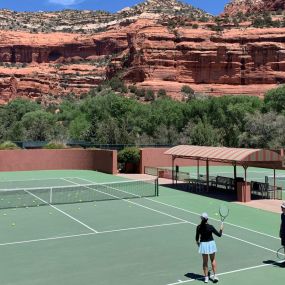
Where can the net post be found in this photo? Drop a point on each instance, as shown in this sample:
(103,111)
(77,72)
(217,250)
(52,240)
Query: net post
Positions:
(50,196)
(156,187)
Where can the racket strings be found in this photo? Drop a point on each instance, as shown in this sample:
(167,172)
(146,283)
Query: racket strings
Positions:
(224,211)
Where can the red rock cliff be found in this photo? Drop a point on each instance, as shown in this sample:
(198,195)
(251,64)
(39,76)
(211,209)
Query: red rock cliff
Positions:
(237,61)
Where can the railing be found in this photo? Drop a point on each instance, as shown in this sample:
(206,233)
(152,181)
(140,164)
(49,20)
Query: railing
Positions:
(84,144)
(265,191)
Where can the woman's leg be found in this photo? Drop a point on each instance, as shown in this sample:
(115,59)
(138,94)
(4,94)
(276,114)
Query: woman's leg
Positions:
(205,264)
(213,261)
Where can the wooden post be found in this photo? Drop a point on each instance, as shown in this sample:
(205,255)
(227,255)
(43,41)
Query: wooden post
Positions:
(207,174)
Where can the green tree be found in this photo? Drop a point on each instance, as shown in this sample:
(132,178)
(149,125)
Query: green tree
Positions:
(275,99)
(263,131)
(38,126)
(78,128)
(201,133)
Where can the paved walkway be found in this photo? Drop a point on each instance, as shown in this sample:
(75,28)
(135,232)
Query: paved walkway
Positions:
(264,204)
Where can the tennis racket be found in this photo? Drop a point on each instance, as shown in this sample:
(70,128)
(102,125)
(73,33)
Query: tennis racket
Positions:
(280,253)
(224,212)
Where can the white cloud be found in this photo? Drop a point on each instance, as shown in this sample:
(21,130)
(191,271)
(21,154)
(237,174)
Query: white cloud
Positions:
(65,2)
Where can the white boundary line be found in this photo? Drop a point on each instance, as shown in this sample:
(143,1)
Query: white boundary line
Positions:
(197,214)
(33,179)
(163,213)
(88,234)
(177,218)
(214,219)
(137,204)
(223,273)
(71,217)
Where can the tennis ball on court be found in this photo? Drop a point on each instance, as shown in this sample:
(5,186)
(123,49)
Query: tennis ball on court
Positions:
(50,213)
(13,224)
(4,214)
(78,208)
(34,201)
(216,214)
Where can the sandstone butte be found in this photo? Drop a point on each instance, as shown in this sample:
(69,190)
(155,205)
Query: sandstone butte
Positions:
(237,61)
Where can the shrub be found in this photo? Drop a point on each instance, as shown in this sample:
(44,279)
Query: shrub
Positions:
(55,145)
(161,93)
(129,154)
(8,145)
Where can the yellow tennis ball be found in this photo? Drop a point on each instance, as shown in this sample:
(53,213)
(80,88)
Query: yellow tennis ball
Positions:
(216,214)
(13,224)
(4,214)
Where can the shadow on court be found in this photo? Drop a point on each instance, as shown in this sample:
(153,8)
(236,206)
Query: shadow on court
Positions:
(195,276)
(220,194)
(275,263)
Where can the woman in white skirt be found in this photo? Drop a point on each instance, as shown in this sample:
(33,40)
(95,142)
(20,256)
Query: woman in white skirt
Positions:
(207,245)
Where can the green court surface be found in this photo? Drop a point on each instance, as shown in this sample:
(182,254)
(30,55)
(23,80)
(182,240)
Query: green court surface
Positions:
(142,241)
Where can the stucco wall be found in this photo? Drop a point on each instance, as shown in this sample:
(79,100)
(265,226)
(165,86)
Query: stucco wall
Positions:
(155,157)
(44,159)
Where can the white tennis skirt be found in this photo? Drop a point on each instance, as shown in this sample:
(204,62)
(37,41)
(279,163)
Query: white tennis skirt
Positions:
(208,247)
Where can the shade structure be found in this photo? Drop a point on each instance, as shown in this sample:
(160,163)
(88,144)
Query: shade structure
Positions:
(224,154)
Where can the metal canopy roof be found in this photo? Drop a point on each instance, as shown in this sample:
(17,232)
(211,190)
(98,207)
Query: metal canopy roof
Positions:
(235,155)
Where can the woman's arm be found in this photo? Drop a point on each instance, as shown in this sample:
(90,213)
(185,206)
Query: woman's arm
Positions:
(218,233)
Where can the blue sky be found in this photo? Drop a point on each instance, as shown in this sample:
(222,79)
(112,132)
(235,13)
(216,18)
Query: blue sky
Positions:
(211,6)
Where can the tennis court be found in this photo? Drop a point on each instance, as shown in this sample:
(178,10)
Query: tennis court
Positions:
(147,240)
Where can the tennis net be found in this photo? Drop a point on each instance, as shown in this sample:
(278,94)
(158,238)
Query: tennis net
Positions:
(31,197)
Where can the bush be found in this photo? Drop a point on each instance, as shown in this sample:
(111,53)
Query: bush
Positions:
(8,145)
(161,93)
(129,155)
(55,145)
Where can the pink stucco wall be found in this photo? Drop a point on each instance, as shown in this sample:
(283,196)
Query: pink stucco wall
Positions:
(44,159)
(155,157)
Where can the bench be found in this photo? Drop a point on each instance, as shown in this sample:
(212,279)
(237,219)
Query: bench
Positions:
(227,183)
(265,191)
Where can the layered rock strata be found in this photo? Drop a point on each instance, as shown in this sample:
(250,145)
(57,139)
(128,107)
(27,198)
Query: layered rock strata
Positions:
(148,54)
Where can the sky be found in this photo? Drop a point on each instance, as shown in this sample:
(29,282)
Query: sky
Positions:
(211,6)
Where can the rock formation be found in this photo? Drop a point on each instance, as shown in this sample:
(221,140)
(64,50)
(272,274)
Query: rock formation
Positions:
(149,52)
(254,6)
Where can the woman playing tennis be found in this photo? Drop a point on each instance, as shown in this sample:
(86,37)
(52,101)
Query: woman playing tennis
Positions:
(207,245)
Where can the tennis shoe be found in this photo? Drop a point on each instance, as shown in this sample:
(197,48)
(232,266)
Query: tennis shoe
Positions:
(206,280)
(215,279)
